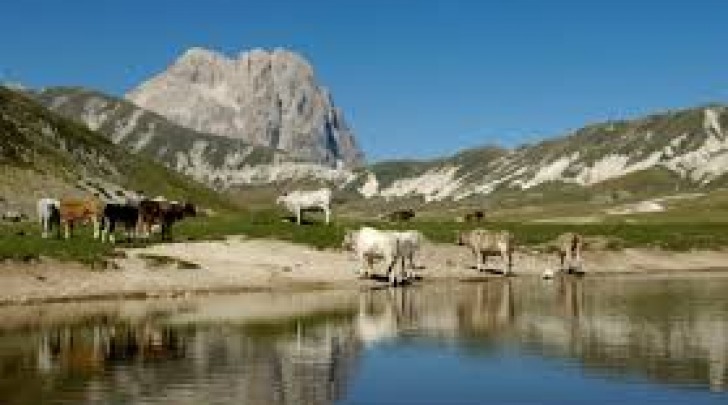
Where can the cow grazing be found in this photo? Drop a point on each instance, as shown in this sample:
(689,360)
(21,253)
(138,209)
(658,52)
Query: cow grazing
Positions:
(401,215)
(474,216)
(488,243)
(296,202)
(162,213)
(73,211)
(49,215)
(125,214)
(370,244)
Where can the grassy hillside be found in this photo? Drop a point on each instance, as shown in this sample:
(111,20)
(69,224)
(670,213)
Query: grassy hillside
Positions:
(51,155)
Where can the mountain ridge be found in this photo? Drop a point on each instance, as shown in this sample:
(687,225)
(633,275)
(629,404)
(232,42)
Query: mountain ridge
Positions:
(44,154)
(267,98)
(691,143)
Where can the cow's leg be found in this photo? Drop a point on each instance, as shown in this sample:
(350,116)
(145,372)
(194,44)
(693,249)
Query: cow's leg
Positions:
(409,273)
(327,211)
(110,230)
(97,227)
(164,231)
(578,260)
(365,262)
(129,230)
(44,225)
(392,270)
(403,275)
(104,229)
(411,265)
(509,262)
(562,261)
(67,229)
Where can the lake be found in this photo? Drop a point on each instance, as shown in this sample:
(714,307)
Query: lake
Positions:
(630,339)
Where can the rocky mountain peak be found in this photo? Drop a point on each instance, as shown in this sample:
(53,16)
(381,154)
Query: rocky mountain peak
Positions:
(266,98)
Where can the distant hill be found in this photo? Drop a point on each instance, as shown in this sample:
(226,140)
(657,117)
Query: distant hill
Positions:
(662,153)
(45,154)
(611,162)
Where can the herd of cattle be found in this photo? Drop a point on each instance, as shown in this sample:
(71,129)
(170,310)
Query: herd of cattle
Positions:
(139,217)
(397,250)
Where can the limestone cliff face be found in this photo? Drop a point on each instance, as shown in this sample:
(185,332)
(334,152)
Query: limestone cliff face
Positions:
(265,98)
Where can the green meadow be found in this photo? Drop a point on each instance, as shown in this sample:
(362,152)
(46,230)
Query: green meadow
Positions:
(22,242)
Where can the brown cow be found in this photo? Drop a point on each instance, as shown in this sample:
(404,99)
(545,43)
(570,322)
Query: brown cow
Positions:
(163,214)
(475,216)
(73,211)
(403,215)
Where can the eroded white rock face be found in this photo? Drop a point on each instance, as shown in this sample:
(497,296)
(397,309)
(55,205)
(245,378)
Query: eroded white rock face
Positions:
(700,156)
(261,174)
(434,185)
(268,98)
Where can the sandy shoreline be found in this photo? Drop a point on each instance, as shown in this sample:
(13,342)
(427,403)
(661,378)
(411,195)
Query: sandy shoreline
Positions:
(246,265)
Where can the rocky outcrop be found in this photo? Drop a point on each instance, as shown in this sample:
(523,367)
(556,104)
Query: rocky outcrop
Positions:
(265,98)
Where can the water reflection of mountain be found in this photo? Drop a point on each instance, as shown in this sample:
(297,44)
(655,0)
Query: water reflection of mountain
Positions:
(674,332)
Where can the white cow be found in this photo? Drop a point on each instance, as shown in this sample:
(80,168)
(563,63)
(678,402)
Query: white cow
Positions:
(298,201)
(48,215)
(370,244)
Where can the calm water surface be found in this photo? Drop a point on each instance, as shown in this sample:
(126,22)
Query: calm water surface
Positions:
(632,340)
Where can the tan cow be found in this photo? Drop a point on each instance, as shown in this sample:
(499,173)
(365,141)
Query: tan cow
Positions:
(570,245)
(485,243)
(74,210)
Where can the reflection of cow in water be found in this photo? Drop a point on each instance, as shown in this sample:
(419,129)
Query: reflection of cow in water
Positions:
(385,314)
(490,309)
(75,349)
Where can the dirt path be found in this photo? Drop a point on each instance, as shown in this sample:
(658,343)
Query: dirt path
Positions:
(239,264)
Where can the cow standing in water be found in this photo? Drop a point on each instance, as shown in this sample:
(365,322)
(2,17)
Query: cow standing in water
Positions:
(568,247)
(397,250)
(488,243)
(296,202)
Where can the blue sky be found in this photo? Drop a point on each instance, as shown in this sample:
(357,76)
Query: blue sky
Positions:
(416,78)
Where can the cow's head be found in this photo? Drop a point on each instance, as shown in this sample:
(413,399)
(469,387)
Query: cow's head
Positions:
(349,240)
(189,210)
